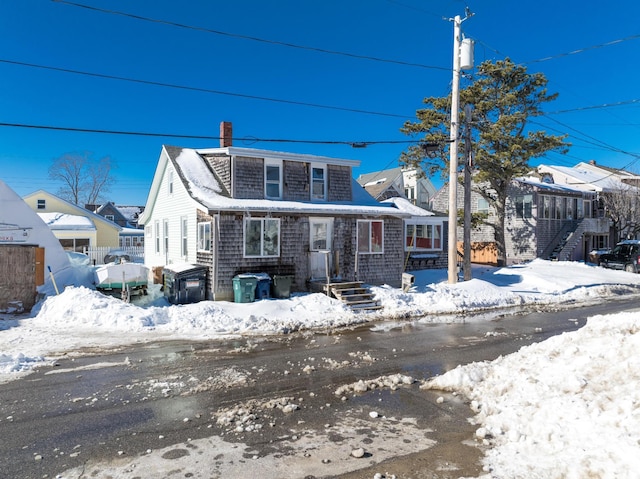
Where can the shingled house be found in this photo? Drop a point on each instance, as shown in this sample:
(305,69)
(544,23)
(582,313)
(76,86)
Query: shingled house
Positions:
(240,210)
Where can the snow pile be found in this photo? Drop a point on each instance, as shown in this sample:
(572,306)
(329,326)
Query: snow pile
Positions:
(538,282)
(564,408)
(80,317)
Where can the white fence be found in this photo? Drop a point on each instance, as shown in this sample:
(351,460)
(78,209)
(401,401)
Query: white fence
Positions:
(97,253)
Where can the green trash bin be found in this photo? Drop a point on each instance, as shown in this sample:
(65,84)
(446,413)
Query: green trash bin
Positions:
(281,284)
(244,288)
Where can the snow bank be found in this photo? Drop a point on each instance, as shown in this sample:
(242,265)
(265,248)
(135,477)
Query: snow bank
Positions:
(564,408)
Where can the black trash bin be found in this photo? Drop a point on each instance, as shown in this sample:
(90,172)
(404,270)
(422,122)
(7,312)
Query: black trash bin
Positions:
(185,283)
(282,285)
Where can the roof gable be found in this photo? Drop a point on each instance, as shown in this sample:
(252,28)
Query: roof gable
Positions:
(71,208)
(206,190)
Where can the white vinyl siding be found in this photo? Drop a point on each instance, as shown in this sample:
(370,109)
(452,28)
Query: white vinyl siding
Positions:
(173,208)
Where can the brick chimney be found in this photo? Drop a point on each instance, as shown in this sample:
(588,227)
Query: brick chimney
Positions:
(226,134)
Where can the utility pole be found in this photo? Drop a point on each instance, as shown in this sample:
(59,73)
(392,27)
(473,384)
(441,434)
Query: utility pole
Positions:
(453,150)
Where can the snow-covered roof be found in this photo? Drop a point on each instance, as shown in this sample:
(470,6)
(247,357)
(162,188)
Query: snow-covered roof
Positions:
(205,188)
(130,212)
(406,206)
(64,221)
(532,180)
(583,178)
(15,212)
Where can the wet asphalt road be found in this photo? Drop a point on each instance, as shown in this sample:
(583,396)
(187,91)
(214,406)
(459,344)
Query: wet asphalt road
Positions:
(148,396)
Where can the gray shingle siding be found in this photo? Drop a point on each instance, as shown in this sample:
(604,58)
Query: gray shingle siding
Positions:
(248,178)
(339,188)
(296,181)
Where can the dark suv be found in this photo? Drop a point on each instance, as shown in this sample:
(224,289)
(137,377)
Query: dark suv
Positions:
(625,255)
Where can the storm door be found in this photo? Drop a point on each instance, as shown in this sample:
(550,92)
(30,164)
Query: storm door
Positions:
(320,257)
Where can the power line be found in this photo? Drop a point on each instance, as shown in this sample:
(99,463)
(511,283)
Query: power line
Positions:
(248,37)
(595,107)
(198,89)
(595,141)
(585,49)
(355,144)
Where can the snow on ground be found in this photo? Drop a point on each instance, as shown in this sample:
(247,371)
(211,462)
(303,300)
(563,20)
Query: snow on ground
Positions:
(568,407)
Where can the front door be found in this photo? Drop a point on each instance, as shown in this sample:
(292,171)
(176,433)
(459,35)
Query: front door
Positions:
(320,257)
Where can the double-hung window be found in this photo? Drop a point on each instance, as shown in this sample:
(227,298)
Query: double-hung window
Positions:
(165,227)
(157,235)
(273,179)
(370,236)
(318,182)
(483,206)
(184,230)
(204,236)
(261,237)
(523,206)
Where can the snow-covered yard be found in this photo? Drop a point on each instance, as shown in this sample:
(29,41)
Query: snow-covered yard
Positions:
(567,407)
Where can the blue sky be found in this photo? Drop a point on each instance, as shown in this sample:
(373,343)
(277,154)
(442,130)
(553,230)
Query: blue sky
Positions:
(272,91)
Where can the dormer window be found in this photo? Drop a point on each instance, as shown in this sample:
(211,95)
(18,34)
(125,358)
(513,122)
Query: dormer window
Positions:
(273,179)
(318,182)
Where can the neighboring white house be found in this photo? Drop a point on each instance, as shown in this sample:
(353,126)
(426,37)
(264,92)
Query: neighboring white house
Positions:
(399,182)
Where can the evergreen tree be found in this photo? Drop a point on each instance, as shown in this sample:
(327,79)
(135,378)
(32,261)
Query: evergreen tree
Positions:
(504,98)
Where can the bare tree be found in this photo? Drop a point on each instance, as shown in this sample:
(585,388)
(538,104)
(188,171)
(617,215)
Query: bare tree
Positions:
(84,179)
(622,207)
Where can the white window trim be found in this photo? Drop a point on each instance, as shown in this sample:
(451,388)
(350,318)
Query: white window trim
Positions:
(184,236)
(202,227)
(170,182)
(278,163)
(244,239)
(323,167)
(370,222)
(165,235)
(157,236)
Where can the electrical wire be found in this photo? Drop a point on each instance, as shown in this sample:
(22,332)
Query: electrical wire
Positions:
(596,107)
(198,89)
(585,49)
(357,144)
(249,37)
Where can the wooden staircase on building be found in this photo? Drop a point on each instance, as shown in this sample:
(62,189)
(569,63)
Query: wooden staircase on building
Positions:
(354,294)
